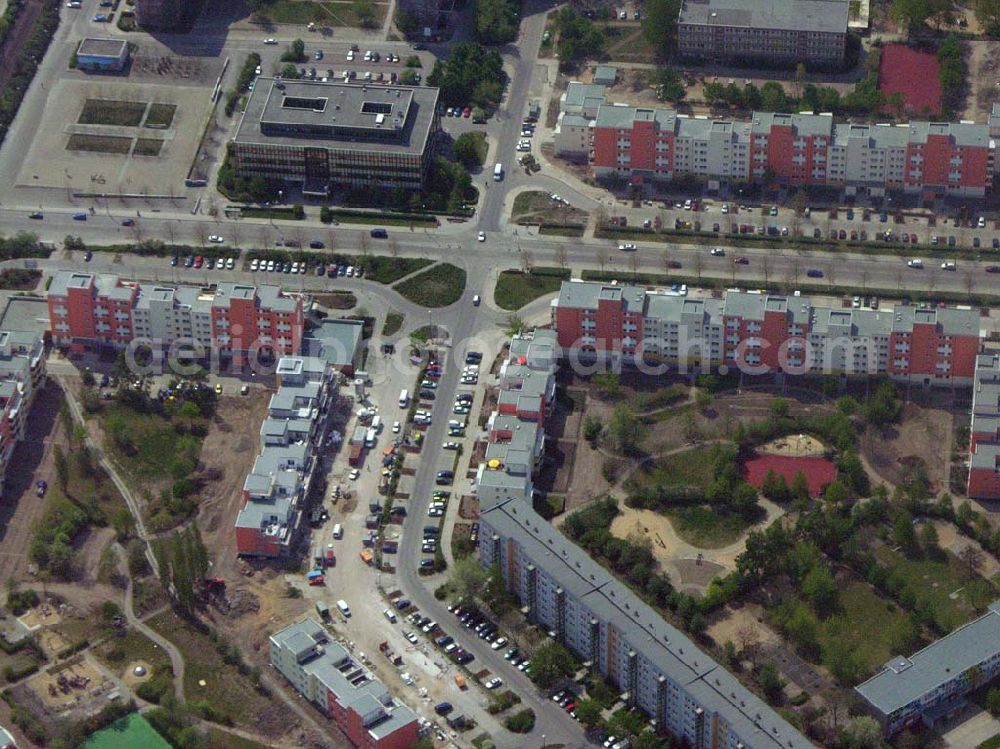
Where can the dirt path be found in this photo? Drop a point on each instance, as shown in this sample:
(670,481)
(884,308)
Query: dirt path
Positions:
(176,659)
(669,548)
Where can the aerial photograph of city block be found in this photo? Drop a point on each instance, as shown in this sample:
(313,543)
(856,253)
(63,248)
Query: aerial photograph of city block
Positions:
(499,374)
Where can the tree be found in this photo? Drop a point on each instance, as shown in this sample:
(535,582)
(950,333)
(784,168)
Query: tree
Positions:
(588,713)
(972,558)
(748,639)
(495,594)
(862,732)
(592,429)
(669,84)
(800,487)
(774,487)
(608,384)
(62,467)
(468,579)
(903,533)
(929,538)
(514,325)
(993,701)
(625,430)
(469,149)
(779,408)
(821,589)
(770,681)
(703,399)
(660,23)
(835,492)
(579,38)
(552,662)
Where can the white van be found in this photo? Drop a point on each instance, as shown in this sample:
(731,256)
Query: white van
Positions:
(404,398)
(338,531)
(370,437)
(377,424)
(344,608)
(498,172)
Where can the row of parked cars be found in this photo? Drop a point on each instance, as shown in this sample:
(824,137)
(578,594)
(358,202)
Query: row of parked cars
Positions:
(198,262)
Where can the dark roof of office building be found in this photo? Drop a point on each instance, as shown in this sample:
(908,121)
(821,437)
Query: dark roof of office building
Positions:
(358,116)
(828,16)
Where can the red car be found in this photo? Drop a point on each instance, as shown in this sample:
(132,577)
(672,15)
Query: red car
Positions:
(993,268)
(467,112)
(571,707)
(741,260)
(198,261)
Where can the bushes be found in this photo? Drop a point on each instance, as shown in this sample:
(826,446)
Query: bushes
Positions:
(521,722)
(19,601)
(160,684)
(579,38)
(496,21)
(471,73)
(29,55)
(951,73)
(247,73)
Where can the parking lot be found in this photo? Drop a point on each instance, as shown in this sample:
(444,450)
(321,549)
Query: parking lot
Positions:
(844,224)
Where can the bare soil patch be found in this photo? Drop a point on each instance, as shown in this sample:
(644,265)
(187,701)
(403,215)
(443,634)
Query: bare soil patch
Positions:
(923,434)
(796,445)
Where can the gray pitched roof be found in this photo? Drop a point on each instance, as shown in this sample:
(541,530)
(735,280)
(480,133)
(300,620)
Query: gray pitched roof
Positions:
(903,681)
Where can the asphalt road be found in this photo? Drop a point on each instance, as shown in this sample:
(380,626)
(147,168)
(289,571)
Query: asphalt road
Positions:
(457,244)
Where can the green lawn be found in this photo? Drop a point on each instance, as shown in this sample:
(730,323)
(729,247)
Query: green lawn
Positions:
(387,269)
(99,143)
(393,322)
(515,289)
(992,743)
(147,147)
(707,528)
(112,112)
(438,286)
(886,630)
(153,441)
(536,206)
(689,468)
(160,115)
(873,642)
(225,688)
(325,13)
(117,652)
(931,582)
(127,733)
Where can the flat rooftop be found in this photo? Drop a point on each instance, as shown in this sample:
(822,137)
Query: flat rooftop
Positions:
(26,313)
(98,47)
(349,116)
(828,16)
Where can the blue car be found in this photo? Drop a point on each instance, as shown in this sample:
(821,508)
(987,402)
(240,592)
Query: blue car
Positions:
(79,216)
(443,708)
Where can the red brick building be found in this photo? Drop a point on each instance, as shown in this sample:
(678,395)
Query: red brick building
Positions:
(87,310)
(765,333)
(984,441)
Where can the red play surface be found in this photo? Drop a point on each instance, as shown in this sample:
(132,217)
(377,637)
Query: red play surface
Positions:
(914,74)
(818,471)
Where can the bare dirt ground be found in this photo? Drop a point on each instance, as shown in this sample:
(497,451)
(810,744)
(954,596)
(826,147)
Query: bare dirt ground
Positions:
(668,547)
(983,59)
(922,433)
(230,448)
(950,539)
(794,445)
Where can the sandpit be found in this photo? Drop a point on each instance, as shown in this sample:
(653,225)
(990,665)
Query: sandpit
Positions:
(795,445)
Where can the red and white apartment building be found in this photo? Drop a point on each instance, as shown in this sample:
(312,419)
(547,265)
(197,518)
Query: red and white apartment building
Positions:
(984,440)
(934,159)
(760,333)
(22,376)
(87,309)
(326,674)
(291,437)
